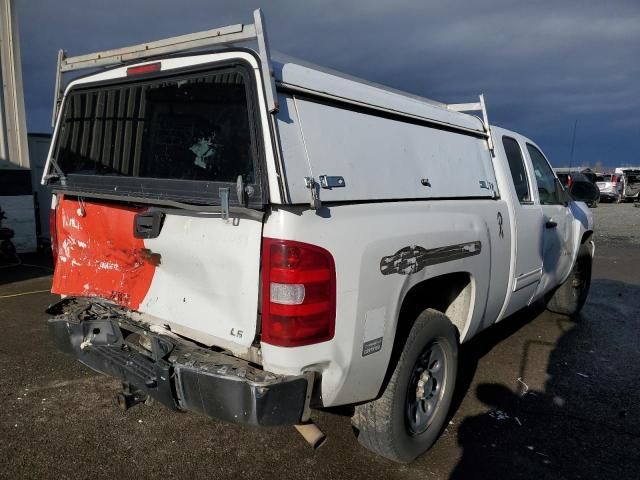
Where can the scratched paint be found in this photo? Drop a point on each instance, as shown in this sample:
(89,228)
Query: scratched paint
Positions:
(98,255)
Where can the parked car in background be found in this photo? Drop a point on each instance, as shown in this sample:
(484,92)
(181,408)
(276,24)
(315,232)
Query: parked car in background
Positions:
(590,174)
(630,185)
(610,186)
(579,186)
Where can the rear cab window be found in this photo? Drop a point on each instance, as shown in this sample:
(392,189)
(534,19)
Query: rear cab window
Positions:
(177,137)
(517,168)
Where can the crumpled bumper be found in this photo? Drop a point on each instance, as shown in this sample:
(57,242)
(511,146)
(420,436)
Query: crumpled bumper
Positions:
(178,373)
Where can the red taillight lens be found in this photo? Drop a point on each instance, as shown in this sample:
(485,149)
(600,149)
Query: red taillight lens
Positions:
(614,180)
(298,293)
(142,69)
(569,181)
(53,231)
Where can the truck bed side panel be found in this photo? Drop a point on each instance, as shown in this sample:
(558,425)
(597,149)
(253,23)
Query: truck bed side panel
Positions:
(366,240)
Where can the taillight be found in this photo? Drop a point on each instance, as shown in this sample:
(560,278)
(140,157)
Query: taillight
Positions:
(614,180)
(298,293)
(569,181)
(54,235)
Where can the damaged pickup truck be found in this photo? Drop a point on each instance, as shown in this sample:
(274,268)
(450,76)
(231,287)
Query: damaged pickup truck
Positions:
(248,237)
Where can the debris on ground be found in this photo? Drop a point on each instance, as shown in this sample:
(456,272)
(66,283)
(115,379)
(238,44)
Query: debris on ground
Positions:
(525,387)
(499,415)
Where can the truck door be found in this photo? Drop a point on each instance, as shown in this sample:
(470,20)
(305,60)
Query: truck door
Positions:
(526,268)
(558,239)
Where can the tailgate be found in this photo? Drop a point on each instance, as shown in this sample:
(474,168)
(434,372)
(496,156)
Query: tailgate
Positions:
(199,275)
(174,149)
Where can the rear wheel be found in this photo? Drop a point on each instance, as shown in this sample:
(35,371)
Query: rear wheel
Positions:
(570,297)
(409,415)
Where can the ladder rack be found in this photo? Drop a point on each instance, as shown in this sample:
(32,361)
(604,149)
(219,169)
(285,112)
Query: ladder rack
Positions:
(479,106)
(218,36)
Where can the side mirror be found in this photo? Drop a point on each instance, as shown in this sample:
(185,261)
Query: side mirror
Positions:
(583,191)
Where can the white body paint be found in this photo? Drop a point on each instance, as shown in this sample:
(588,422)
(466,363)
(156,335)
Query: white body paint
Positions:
(383,144)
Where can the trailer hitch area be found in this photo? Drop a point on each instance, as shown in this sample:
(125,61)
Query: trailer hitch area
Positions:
(131,396)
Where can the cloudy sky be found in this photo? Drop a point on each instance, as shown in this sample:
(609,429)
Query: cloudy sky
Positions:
(541,64)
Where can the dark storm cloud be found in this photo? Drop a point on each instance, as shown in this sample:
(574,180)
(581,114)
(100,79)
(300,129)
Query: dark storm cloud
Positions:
(542,65)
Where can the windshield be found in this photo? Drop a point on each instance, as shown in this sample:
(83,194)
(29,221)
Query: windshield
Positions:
(194,129)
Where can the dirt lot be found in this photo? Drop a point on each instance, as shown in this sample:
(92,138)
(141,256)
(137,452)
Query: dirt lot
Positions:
(540,396)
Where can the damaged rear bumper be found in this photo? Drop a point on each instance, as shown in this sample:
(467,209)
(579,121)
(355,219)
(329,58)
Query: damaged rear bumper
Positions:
(178,373)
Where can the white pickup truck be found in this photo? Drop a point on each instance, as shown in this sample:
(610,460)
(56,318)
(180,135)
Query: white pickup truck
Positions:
(248,237)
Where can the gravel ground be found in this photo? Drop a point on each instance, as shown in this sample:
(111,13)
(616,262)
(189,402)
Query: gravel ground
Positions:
(539,395)
(617,238)
(617,223)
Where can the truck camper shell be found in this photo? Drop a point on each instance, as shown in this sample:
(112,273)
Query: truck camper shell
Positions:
(331,137)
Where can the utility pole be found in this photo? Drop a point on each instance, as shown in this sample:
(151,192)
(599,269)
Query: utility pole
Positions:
(573,142)
(13,131)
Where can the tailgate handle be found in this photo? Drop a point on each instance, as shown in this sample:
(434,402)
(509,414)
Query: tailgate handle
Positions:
(148,225)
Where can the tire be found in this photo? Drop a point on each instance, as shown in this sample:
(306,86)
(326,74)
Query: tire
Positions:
(384,425)
(570,297)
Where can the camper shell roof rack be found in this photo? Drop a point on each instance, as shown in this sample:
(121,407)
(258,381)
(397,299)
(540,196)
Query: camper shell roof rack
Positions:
(478,106)
(218,36)
(222,36)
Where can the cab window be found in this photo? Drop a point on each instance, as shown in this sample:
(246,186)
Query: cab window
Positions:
(517,168)
(549,189)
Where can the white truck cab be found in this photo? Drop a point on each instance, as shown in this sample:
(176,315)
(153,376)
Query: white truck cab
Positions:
(247,236)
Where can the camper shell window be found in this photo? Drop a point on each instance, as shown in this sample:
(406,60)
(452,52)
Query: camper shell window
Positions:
(179,137)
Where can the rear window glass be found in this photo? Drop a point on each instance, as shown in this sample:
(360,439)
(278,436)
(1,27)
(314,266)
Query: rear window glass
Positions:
(195,128)
(604,178)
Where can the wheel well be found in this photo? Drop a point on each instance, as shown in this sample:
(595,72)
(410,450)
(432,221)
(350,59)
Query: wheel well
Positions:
(586,236)
(449,294)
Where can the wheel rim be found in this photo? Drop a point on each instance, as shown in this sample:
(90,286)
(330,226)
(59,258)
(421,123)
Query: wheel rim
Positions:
(426,388)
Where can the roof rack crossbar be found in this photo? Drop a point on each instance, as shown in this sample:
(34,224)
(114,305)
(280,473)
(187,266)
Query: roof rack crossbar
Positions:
(218,36)
(479,106)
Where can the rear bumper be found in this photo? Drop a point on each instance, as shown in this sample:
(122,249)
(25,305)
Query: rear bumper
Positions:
(178,373)
(608,194)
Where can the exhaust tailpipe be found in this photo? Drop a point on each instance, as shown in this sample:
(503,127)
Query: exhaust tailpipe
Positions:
(312,434)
